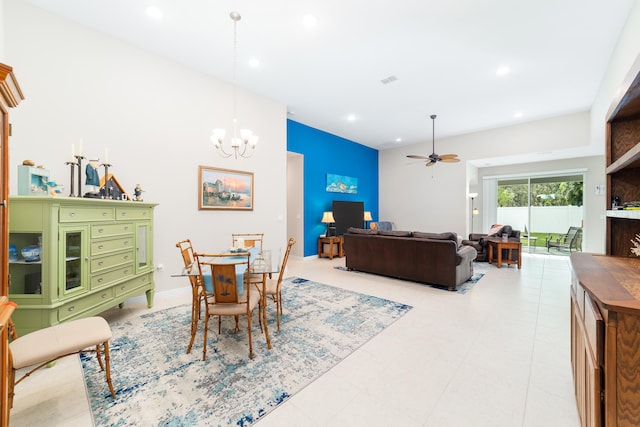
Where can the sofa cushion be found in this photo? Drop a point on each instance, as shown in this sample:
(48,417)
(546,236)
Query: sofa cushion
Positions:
(396,233)
(496,230)
(436,236)
(354,230)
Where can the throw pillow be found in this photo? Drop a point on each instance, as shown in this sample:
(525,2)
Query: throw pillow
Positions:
(436,236)
(396,233)
(496,230)
(353,230)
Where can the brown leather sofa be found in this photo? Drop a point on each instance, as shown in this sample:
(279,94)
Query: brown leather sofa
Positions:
(479,242)
(433,258)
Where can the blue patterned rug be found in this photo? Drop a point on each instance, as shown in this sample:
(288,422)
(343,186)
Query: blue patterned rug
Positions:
(158,384)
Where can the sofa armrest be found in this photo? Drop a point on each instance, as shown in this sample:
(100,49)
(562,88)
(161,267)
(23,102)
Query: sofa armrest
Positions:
(466,254)
(476,236)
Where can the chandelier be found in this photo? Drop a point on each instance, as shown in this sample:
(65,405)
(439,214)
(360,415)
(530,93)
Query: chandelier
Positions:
(244,138)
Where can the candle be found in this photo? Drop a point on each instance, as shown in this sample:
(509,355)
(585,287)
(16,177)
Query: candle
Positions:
(80,149)
(106,156)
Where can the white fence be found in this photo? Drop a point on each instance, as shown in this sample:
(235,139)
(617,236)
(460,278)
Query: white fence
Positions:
(544,219)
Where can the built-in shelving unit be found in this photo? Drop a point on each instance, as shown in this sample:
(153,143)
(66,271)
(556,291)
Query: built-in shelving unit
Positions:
(623,169)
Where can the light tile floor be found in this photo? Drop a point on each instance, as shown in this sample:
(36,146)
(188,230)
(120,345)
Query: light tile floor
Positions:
(496,356)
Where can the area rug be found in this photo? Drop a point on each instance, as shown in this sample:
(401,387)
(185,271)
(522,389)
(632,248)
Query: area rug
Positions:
(158,384)
(462,289)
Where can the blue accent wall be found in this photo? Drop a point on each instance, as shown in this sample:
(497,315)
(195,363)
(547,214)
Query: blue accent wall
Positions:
(326,153)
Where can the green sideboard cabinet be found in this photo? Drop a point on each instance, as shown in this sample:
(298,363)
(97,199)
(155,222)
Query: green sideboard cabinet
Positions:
(93,255)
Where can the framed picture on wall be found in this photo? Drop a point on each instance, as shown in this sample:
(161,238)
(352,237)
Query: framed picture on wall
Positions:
(224,189)
(341,184)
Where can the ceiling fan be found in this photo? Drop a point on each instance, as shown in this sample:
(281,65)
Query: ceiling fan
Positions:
(433,157)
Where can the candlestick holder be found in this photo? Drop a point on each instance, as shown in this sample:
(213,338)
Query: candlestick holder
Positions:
(71,166)
(106,179)
(79,159)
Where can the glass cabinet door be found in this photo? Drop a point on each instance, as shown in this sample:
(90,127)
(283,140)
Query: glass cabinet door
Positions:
(25,264)
(73,268)
(143,234)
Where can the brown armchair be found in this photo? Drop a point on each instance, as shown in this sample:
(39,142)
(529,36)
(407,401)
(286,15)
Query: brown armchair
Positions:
(479,241)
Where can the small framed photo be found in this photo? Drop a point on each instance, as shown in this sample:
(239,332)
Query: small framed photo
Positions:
(224,189)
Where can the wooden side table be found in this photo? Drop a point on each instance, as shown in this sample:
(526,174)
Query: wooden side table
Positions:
(495,252)
(331,241)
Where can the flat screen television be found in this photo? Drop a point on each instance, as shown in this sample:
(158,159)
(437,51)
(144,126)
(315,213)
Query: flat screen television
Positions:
(347,214)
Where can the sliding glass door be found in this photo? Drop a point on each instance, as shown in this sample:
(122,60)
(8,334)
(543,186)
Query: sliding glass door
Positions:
(543,208)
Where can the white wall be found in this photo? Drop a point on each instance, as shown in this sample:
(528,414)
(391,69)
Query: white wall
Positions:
(435,198)
(154,116)
(622,69)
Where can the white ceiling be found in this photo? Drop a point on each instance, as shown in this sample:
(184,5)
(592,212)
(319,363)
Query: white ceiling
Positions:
(444,54)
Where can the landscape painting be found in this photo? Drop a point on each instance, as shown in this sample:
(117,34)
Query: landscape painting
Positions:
(224,189)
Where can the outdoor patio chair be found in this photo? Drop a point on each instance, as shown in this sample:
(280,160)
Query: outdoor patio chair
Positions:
(571,241)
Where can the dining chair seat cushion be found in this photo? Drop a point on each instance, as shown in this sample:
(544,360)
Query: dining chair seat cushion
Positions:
(52,342)
(231,309)
(271,287)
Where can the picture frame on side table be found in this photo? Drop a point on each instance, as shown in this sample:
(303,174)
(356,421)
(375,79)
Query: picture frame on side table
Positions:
(224,189)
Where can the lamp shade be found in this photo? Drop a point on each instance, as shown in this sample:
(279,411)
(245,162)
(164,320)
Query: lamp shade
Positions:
(367,216)
(476,211)
(473,195)
(327,217)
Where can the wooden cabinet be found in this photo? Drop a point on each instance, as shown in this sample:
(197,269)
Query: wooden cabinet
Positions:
(605,336)
(623,169)
(94,254)
(10,97)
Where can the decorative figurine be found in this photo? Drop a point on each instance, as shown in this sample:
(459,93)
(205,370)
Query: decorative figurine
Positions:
(138,193)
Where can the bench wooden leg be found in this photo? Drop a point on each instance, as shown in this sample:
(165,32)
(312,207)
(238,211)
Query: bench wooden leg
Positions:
(107,362)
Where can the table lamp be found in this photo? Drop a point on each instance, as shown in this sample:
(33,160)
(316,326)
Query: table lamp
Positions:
(327,218)
(367,218)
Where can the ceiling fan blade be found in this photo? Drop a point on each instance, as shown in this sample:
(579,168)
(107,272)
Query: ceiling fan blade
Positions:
(416,156)
(430,163)
(448,156)
(450,160)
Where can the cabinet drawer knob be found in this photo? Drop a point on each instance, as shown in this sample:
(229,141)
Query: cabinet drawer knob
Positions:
(126,243)
(126,271)
(72,214)
(100,280)
(100,263)
(104,296)
(122,288)
(100,246)
(126,228)
(126,257)
(104,214)
(101,230)
(71,308)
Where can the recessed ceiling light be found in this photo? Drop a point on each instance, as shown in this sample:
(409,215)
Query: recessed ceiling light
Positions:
(254,62)
(309,21)
(398,139)
(351,118)
(503,71)
(154,13)
(518,115)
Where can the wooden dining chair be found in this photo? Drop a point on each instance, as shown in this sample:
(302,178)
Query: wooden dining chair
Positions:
(225,300)
(197,284)
(249,240)
(273,288)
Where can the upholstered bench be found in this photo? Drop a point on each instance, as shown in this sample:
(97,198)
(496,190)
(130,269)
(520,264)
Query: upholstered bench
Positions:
(49,344)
